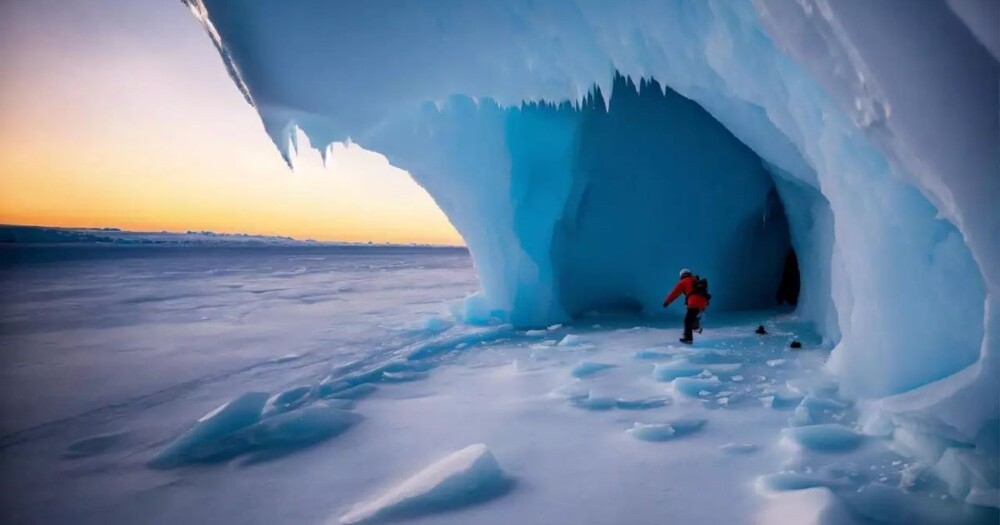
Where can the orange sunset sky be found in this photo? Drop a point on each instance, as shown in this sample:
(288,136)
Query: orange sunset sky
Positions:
(120,113)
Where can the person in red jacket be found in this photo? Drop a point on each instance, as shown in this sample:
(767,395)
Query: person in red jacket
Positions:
(696,303)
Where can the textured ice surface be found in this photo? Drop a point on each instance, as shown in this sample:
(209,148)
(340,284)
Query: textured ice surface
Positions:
(261,305)
(465,477)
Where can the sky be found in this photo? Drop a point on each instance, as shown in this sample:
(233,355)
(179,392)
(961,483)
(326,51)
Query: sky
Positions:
(120,113)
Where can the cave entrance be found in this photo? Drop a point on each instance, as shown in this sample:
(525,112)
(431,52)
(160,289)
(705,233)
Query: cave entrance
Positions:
(790,286)
(652,183)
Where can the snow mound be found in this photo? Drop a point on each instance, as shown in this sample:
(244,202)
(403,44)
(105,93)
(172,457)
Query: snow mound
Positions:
(465,477)
(826,437)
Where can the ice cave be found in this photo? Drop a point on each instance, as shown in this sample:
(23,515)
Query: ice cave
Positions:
(582,146)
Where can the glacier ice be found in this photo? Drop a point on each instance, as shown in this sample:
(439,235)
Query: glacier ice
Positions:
(828,437)
(465,477)
(874,153)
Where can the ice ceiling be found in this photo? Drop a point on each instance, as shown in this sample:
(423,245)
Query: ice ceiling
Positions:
(863,134)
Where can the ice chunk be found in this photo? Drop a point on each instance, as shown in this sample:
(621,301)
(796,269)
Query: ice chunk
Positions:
(965,471)
(666,431)
(683,368)
(586,368)
(739,448)
(287,400)
(205,441)
(595,402)
(885,504)
(826,437)
(814,402)
(775,362)
(403,377)
(300,428)
(810,506)
(781,481)
(571,340)
(801,417)
(652,432)
(651,354)
(572,391)
(693,387)
(640,404)
(465,477)
(711,357)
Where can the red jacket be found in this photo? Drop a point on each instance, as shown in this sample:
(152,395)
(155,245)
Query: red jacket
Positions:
(686,286)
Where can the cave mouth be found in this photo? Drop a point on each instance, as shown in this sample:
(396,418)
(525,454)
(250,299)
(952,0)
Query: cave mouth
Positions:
(790,285)
(653,183)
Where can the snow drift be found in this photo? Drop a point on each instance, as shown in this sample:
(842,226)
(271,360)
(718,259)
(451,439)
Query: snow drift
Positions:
(865,135)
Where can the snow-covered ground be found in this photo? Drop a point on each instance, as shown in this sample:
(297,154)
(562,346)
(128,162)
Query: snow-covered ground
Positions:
(331,384)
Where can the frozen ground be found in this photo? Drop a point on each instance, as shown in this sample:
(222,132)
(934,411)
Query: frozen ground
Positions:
(112,353)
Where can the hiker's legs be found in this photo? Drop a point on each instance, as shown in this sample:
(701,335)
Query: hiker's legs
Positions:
(690,319)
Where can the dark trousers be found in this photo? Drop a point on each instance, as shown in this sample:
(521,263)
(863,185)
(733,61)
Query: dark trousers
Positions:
(691,322)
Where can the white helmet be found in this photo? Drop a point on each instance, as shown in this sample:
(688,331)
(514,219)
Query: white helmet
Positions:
(685,272)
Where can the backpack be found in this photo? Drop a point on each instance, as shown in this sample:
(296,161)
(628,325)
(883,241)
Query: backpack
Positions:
(701,288)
